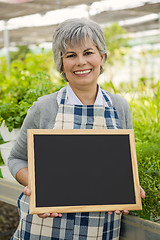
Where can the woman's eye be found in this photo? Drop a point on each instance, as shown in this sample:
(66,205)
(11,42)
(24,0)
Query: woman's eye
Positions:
(88,53)
(71,55)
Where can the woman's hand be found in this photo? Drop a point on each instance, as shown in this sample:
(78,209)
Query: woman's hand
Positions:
(27,192)
(118,212)
(126,212)
(142,192)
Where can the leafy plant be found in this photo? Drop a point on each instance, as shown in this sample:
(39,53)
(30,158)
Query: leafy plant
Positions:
(1,176)
(146,113)
(29,78)
(1,160)
(109,86)
(145,109)
(146,123)
(15,107)
(148,156)
(20,54)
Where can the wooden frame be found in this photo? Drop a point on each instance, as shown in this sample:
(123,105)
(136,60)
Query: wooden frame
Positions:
(34,209)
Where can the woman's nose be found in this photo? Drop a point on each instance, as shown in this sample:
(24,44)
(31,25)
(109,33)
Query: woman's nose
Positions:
(81,60)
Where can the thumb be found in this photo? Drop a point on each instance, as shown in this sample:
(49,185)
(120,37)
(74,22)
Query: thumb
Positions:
(27,191)
(142,192)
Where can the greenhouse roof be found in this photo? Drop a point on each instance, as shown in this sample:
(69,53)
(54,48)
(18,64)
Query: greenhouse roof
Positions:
(134,17)
(29,35)
(17,8)
(127,13)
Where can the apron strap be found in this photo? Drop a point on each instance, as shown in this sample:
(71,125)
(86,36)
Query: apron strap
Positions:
(64,97)
(107,101)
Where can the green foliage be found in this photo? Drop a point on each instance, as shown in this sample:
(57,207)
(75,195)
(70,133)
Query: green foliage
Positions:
(21,97)
(146,113)
(20,54)
(1,140)
(146,123)
(145,109)
(1,160)
(24,83)
(109,86)
(39,62)
(116,42)
(148,156)
(3,73)
(1,176)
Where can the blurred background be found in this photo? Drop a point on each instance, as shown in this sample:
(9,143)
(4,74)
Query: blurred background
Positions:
(29,25)
(27,71)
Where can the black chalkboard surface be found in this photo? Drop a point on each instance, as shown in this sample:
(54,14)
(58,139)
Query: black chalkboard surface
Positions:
(82,170)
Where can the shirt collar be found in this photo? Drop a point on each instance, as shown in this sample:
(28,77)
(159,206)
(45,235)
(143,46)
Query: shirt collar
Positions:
(74,100)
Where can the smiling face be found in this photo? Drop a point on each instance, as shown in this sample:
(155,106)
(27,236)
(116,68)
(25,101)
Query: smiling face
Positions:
(81,65)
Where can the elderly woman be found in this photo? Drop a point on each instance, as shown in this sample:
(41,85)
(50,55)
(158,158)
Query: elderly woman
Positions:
(79,53)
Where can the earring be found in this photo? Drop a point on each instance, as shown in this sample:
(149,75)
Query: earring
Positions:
(101,69)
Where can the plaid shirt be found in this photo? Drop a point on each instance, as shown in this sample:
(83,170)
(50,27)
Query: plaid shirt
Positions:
(74,226)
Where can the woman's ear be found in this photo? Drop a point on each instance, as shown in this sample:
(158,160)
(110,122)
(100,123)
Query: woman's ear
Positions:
(102,59)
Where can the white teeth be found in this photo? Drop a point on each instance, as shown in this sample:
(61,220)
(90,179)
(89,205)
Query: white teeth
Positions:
(82,72)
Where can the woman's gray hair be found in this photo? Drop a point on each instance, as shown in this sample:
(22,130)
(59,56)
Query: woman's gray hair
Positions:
(73,31)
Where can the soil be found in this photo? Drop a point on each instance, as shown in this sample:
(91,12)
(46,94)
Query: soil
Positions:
(9,219)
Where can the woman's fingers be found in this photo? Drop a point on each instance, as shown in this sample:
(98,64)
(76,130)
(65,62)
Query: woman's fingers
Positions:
(118,212)
(45,215)
(110,212)
(55,215)
(142,192)
(59,214)
(27,191)
(125,212)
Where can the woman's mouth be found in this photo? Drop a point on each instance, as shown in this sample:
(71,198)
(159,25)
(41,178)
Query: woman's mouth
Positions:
(82,72)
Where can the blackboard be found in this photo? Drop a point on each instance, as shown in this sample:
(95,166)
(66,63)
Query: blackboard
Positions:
(82,170)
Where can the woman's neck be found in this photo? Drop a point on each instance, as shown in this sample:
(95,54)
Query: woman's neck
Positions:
(86,96)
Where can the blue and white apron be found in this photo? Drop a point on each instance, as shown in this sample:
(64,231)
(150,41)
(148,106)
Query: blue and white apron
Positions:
(74,226)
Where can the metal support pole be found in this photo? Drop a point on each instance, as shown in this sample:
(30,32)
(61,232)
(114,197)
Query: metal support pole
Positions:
(6,42)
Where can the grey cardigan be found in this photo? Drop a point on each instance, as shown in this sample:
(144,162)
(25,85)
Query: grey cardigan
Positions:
(42,115)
